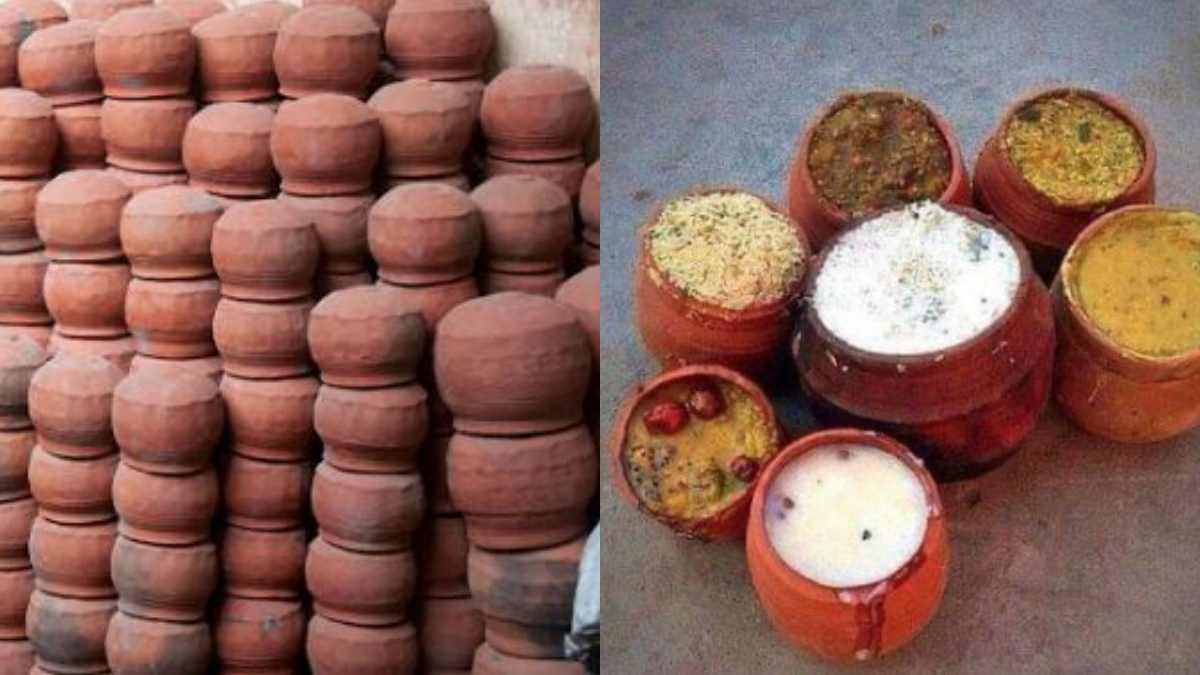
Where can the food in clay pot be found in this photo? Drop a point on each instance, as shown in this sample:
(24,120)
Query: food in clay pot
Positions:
(164,583)
(59,63)
(70,403)
(87,300)
(80,140)
(43,13)
(167,422)
(441,41)
(68,633)
(195,11)
(537,112)
(265,251)
(28,137)
(451,629)
(361,338)
(271,419)
(72,561)
(21,278)
(372,430)
(140,181)
(396,502)
(167,233)
(490,661)
(263,564)
(20,356)
(118,351)
(78,216)
(254,635)
(99,10)
(325,144)
(142,645)
(263,340)
(364,589)
(528,223)
(16,450)
(145,52)
(172,319)
(73,491)
(227,150)
(336,647)
(15,26)
(264,495)
(424,234)
(146,135)
(332,49)
(341,223)
(18,198)
(426,127)
(234,56)
(184,518)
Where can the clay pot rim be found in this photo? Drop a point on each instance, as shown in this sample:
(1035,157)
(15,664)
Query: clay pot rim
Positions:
(234,23)
(307,24)
(572,163)
(129,23)
(9,185)
(164,202)
(729,521)
(395,204)
(430,97)
(261,216)
(71,33)
(310,112)
(78,187)
(25,104)
(83,108)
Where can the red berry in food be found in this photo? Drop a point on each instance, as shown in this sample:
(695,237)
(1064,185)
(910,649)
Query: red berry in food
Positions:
(666,419)
(706,402)
(745,468)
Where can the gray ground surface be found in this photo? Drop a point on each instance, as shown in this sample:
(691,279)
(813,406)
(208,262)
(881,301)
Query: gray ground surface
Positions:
(1077,556)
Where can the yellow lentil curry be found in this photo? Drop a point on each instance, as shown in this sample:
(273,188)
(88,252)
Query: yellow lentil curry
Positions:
(878,150)
(1074,149)
(1138,280)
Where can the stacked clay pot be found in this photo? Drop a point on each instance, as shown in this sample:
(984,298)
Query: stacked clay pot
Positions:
(234,56)
(528,228)
(331,49)
(71,474)
(367,496)
(588,250)
(427,129)
(227,151)
(15,26)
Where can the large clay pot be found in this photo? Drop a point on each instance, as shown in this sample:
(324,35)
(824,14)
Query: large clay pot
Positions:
(16,657)
(17,202)
(99,10)
(148,516)
(164,583)
(167,423)
(426,127)
(361,338)
(43,13)
(372,430)
(271,419)
(425,234)
(73,491)
(491,661)
(136,645)
(582,294)
(140,181)
(79,216)
(537,112)
(16,447)
(20,356)
(15,587)
(234,56)
(332,49)
(264,495)
(16,521)
(271,11)
(146,135)
(341,224)
(80,141)
(261,340)
(195,11)
(87,300)
(59,63)
(442,41)
(364,589)
(118,351)
(528,223)
(341,502)
(70,402)
(167,233)
(336,648)
(589,203)
(435,300)
(265,251)
(146,52)
(206,366)
(533,283)
(28,137)
(326,144)
(259,636)
(227,150)
(527,373)
(72,561)
(68,633)
(450,629)
(565,173)
(265,564)
(442,558)
(21,277)
(172,319)
(376,9)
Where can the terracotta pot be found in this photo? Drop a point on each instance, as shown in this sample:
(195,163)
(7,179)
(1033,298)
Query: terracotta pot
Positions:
(68,633)
(173,319)
(264,564)
(325,144)
(15,587)
(367,512)
(15,26)
(582,294)
(528,373)
(528,223)
(341,224)
(20,356)
(43,13)
(73,491)
(457,180)
(167,232)
(87,300)
(450,629)
(426,127)
(589,199)
(434,471)
(167,422)
(363,589)
(376,9)
(79,216)
(16,521)
(146,52)
(434,300)
(39,334)
(265,251)
(164,583)
(16,447)
(146,135)
(537,112)
(271,419)
(227,150)
(16,657)
(21,300)
(117,351)
(264,495)
(565,173)
(146,516)
(195,11)
(208,366)
(545,284)
(442,559)
(424,234)
(361,338)
(99,10)
(259,636)
(332,282)
(139,181)
(59,64)
(272,11)
(80,143)
(440,41)
(330,49)
(261,340)
(137,645)
(234,55)
(844,624)
(372,430)
(72,561)
(70,402)
(28,137)
(337,648)
(17,230)
(491,661)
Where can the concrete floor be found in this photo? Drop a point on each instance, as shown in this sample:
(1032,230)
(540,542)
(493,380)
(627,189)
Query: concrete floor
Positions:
(1078,556)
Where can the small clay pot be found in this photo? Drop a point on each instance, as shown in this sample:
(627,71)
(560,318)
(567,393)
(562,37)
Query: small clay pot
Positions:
(527,373)
(545,284)
(73,491)
(15,26)
(260,636)
(491,661)
(426,127)
(565,173)
(332,282)
(163,583)
(173,319)
(16,447)
(21,300)
(435,300)
(227,150)
(149,516)
(450,629)
(440,41)
(264,564)
(264,495)
(205,366)
(234,56)
(136,645)
(87,300)
(442,559)
(367,512)
(582,294)
(372,430)
(337,648)
(263,341)
(140,181)
(341,224)
(70,402)
(146,52)
(589,200)
(39,334)
(99,10)
(20,356)
(326,144)
(72,561)
(78,216)
(16,656)
(28,137)
(167,233)
(146,135)
(364,589)
(16,521)
(265,251)
(17,202)
(331,49)
(59,63)
(528,223)
(537,112)
(271,419)
(43,13)
(272,11)
(361,338)
(68,633)
(425,234)
(118,351)
(167,422)
(195,11)
(80,143)
(15,587)
(457,180)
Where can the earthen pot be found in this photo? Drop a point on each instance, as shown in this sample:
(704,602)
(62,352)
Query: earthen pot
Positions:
(527,372)
(146,52)
(338,648)
(491,661)
(372,430)
(205,366)
(361,338)
(99,10)
(147,516)
(16,447)
(118,351)
(451,629)
(442,558)
(528,223)
(434,471)
(70,402)
(457,180)
(331,49)
(589,200)
(367,512)
(20,356)
(264,564)
(39,334)
(326,144)
(271,419)
(43,13)
(16,521)
(582,294)
(87,300)
(173,319)
(164,583)
(140,181)
(565,173)
(425,234)
(426,127)
(227,150)
(537,112)
(264,495)
(533,283)
(80,142)
(341,224)
(234,56)
(16,657)
(59,63)
(259,636)
(68,633)
(146,135)
(265,251)
(364,589)
(272,11)
(78,216)
(195,11)
(435,300)
(441,41)
(73,491)
(21,277)
(136,645)
(72,561)
(17,202)
(28,137)
(263,341)
(15,26)
(15,587)
(332,282)
(167,233)
(376,9)
(167,423)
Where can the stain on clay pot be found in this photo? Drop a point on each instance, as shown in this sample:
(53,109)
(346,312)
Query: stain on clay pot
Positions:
(195,11)
(16,447)
(491,661)
(167,422)
(15,27)
(234,56)
(17,201)
(263,340)
(172,319)
(227,150)
(59,63)
(87,300)
(265,251)
(21,277)
(68,633)
(43,13)
(145,52)
(537,112)
(80,142)
(16,521)
(164,583)
(263,564)
(264,495)
(440,40)
(146,135)
(72,561)
(426,127)
(182,519)
(16,656)
(78,216)
(28,137)
(99,10)
(73,491)
(326,144)
(167,233)
(338,648)
(434,300)
(534,283)
(528,223)
(361,338)
(272,11)
(137,645)
(118,351)
(442,559)
(364,589)
(330,49)
(207,366)
(15,587)
(395,502)
(140,181)
(271,419)
(254,635)
(70,402)
(565,173)
(450,629)
(341,224)
(372,430)
(424,234)
(20,356)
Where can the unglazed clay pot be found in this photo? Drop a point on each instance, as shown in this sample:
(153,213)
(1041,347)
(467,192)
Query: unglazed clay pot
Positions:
(16,521)
(442,41)
(16,447)
(59,63)
(450,629)
(537,112)
(338,648)
(17,201)
(372,430)
(167,423)
(146,52)
(395,502)
(15,26)
(424,234)
(227,150)
(172,319)
(330,49)
(435,300)
(99,10)
(442,559)
(20,356)
(565,173)
(582,294)
(43,13)
(528,223)
(271,419)
(364,589)
(68,633)
(72,561)
(263,340)
(326,144)
(164,583)
(272,11)
(167,233)
(136,645)
(265,564)
(146,135)
(234,56)
(146,516)
(80,142)
(534,283)
(15,587)
(73,491)
(78,216)
(265,251)
(118,351)
(70,402)
(87,300)
(426,127)
(264,495)
(491,661)
(140,181)
(21,277)
(589,201)
(361,338)
(16,657)
(260,636)
(341,224)
(205,366)
(195,11)
(512,364)
(28,137)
